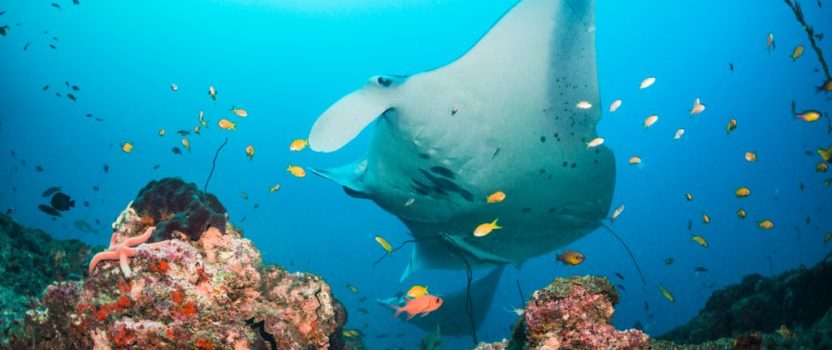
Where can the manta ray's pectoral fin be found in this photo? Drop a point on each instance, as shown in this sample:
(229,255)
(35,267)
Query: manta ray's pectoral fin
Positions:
(350,176)
(345,119)
(447,252)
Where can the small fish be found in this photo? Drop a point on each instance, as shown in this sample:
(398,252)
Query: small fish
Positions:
(697,108)
(484,229)
(196,130)
(650,121)
(827,182)
(647,82)
(61,201)
(808,116)
(615,105)
(635,160)
(821,167)
(56,6)
(826,154)
(353,289)
(50,191)
(741,213)
(202,120)
(95,188)
(351,333)
(732,125)
(700,269)
(296,171)
(619,275)
(176,150)
(802,186)
(455,109)
(595,142)
(621,287)
(212,91)
(71,97)
(583,105)
(274,188)
(666,294)
(156,167)
(75,88)
(668,261)
(751,156)
(422,305)
(26,47)
(174,87)
(690,225)
(679,134)
(827,237)
(616,213)
(244,195)
(84,226)
(765,224)
(186,144)
(571,257)
(183,132)
(688,197)
(363,310)
(250,152)
(700,240)
(227,124)
(384,244)
(161,132)
(743,192)
(48,210)
(417,291)
(106,168)
(127,147)
(495,197)
(298,145)
(731,66)
(826,86)
(797,52)
(242,113)
(45,87)
(706,219)
(3,30)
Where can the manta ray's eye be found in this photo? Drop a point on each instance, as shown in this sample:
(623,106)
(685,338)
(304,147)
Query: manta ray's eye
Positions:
(383,81)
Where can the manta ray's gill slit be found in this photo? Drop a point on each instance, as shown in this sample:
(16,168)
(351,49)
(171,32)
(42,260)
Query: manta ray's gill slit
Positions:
(442,171)
(443,185)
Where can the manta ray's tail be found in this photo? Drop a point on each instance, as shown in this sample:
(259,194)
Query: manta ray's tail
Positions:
(630,252)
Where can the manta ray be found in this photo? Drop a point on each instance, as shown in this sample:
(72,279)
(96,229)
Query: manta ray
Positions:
(514,114)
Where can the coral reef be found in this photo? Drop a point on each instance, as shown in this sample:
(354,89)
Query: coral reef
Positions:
(794,299)
(177,208)
(29,260)
(210,293)
(572,313)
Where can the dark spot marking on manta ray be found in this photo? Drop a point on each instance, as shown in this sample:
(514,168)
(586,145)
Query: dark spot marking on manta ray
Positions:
(447,186)
(419,187)
(442,171)
(541,171)
(526,210)
(595,161)
(497,151)
(424,156)
(551,210)
(565,164)
(543,139)
(574,165)
(597,151)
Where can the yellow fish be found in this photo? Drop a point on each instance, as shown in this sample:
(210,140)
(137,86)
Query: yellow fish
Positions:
(244,195)
(250,152)
(798,51)
(617,212)
(741,213)
(650,121)
(242,113)
(417,291)
(571,257)
(161,132)
(770,42)
(679,134)
(697,108)
(274,188)
(699,239)
(827,182)
(743,192)
(666,294)
(635,160)
(351,333)
(808,116)
(352,288)
(827,86)
(766,224)
(825,154)
(298,145)
(127,147)
(196,130)
(706,219)
(732,125)
(227,124)
(615,105)
(595,142)
(296,171)
(647,82)
(212,91)
(484,229)
(821,167)
(186,144)
(688,196)
(751,156)
(384,244)
(495,197)
(583,105)
(827,237)
(202,120)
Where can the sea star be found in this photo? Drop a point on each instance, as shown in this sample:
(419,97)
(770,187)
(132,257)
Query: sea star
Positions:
(121,252)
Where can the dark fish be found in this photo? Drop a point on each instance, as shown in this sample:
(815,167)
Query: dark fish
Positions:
(809,153)
(66,83)
(621,287)
(819,36)
(9,211)
(176,150)
(76,2)
(619,276)
(58,94)
(363,310)
(50,191)
(243,220)
(55,38)
(802,186)
(156,167)
(731,66)
(62,202)
(98,119)
(3,30)
(84,226)
(808,220)
(26,47)
(2,13)
(106,168)
(257,206)
(86,204)
(71,97)
(56,6)
(362,299)
(95,188)
(13,154)
(382,336)
(75,88)
(45,87)
(97,222)
(48,210)
(668,261)
(23,162)
(690,225)
(52,46)
(700,269)
(646,307)
(39,168)
(89,115)
(183,132)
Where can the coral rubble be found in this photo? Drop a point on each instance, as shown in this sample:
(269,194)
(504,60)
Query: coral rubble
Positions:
(212,292)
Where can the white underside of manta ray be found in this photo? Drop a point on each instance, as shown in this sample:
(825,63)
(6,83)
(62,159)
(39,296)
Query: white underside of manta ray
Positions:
(502,117)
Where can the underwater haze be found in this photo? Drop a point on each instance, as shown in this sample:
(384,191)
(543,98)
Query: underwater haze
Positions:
(133,68)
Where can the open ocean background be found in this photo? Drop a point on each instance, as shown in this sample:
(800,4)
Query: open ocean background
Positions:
(286,61)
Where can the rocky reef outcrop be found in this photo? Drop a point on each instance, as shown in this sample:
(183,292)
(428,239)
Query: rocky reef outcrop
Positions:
(203,289)
(571,313)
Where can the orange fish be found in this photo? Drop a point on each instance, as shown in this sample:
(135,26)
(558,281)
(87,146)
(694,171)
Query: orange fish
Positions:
(571,257)
(751,156)
(495,197)
(418,306)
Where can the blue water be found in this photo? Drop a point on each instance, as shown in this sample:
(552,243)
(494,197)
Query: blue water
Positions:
(287,61)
